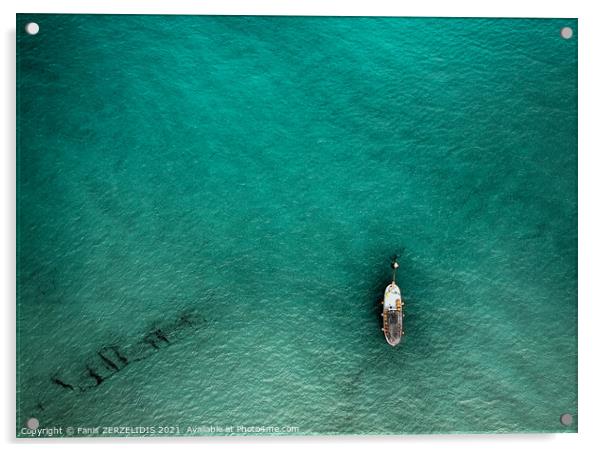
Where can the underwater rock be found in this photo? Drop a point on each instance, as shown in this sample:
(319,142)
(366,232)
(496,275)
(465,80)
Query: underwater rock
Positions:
(112,358)
(61,383)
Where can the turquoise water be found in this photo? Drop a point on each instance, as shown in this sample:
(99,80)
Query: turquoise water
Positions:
(207,208)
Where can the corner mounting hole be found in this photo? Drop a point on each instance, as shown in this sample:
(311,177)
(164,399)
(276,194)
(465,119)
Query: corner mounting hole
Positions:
(32,423)
(566,419)
(566,32)
(32,28)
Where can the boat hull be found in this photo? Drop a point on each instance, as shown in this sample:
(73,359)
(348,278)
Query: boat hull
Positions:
(393,314)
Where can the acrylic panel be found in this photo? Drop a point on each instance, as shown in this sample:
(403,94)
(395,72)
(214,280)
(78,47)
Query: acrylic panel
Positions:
(209,207)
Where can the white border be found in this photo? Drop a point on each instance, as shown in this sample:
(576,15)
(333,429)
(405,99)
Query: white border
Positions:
(590,227)
(508,8)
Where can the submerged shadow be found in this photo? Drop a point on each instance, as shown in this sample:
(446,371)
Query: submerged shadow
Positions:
(110,359)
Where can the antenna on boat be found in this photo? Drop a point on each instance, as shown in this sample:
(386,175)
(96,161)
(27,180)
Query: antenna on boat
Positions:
(395,266)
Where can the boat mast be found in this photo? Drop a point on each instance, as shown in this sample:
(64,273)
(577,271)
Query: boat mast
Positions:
(395,266)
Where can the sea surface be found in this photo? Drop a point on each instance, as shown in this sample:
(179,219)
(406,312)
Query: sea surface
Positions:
(208,208)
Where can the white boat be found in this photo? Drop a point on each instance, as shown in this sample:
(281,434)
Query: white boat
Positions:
(393,312)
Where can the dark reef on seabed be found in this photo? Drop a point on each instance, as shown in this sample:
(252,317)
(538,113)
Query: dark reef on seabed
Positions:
(110,359)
